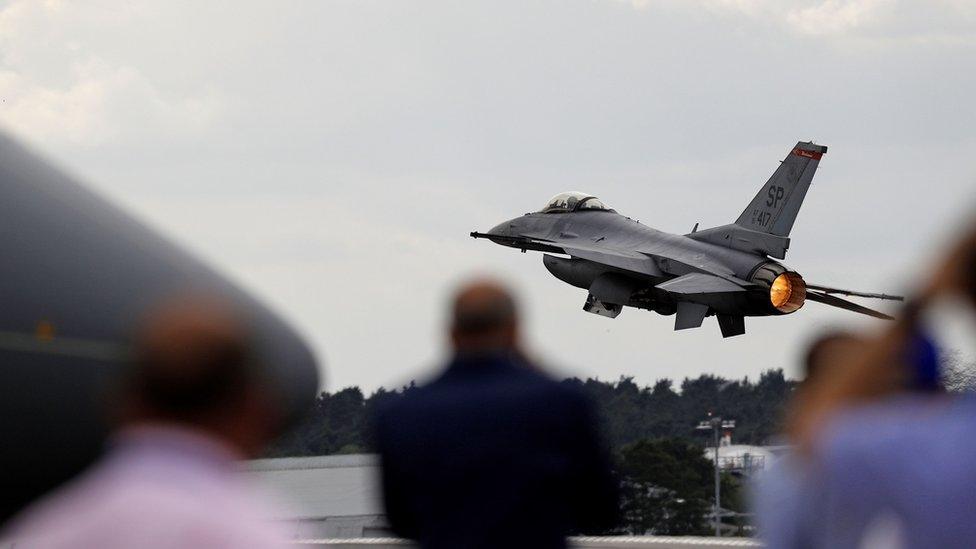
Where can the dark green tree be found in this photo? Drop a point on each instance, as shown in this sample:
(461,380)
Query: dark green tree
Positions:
(665,487)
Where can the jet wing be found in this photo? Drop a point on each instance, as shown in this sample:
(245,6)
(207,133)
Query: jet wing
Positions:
(825,295)
(621,259)
(697,284)
(628,261)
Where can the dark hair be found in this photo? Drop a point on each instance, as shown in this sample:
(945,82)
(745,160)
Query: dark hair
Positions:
(188,367)
(483,310)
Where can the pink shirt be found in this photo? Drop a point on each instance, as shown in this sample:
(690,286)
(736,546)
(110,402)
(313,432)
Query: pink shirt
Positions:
(157,487)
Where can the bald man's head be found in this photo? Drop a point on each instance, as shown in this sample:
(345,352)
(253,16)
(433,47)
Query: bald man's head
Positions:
(484,317)
(191,357)
(196,366)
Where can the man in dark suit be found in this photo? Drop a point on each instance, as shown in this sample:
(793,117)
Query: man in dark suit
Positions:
(493,453)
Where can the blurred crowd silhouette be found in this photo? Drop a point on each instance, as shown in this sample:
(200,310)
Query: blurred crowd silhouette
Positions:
(492,453)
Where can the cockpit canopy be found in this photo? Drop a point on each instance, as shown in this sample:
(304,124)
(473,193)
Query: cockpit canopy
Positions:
(574,201)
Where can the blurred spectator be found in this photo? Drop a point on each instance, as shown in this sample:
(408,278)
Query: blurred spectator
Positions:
(191,407)
(781,513)
(493,453)
(886,463)
(878,367)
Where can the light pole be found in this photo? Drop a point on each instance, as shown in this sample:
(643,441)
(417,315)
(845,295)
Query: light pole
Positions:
(714,423)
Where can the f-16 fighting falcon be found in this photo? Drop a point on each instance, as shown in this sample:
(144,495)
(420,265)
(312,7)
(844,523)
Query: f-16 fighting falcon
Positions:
(725,271)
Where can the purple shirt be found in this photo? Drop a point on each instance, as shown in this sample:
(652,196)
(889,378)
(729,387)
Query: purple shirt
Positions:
(901,473)
(157,487)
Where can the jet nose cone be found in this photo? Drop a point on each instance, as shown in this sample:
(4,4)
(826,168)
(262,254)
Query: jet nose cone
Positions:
(503,233)
(502,229)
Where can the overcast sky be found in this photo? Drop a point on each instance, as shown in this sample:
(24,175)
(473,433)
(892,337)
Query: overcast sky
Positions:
(333,156)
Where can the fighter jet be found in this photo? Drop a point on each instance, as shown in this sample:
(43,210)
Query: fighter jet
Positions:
(725,271)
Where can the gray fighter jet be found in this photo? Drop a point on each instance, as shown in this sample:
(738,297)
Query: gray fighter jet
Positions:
(725,271)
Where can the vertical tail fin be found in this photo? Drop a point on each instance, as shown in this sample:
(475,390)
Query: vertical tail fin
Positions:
(774,209)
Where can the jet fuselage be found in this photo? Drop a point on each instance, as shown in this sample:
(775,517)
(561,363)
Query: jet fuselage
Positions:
(665,256)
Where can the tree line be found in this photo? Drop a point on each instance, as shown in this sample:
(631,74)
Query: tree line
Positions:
(666,482)
(339,422)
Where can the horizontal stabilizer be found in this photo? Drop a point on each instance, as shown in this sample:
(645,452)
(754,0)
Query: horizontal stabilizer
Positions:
(834,301)
(827,290)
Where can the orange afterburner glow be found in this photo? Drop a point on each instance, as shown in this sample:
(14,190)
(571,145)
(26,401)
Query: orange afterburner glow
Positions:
(788,292)
(780,291)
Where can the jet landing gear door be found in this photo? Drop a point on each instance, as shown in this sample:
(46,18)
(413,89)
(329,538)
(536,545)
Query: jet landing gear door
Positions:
(609,292)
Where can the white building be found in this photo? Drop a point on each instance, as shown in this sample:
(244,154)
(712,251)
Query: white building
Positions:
(325,496)
(743,458)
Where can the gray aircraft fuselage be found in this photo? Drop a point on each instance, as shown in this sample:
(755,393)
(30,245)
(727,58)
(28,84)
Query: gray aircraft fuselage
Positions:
(79,276)
(668,256)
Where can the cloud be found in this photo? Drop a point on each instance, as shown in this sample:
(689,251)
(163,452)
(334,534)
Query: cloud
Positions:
(943,22)
(637,4)
(100,104)
(835,16)
(92,100)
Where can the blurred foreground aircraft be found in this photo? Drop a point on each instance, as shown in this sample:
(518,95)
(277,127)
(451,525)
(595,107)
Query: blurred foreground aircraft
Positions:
(76,278)
(724,271)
